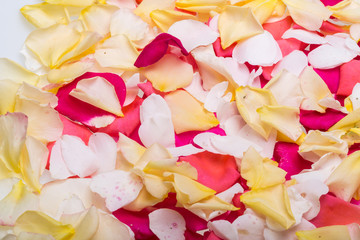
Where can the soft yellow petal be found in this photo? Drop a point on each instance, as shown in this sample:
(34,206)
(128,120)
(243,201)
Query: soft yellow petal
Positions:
(51,44)
(345,180)
(262,9)
(273,202)
(347,10)
(117,52)
(38,222)
(165,18)
(144,199)
(16,203)
(236,24)
(111,228)
(44,15)
(77,3)
(43,98)
(33,163)
(352,120)
(17,73)
(85,223)
(131,150)
(38,115)
(307,13)
(189,191)
(69,71)
(260,172)
(248,100)
(97,18)
(12,139)
(314,89)
(154,152)
(283,118)
(316,144)
(147,6)
(155,185)
(97,91)
(169,73)
(334,232)
(201,6)
(188,114)
(8,91)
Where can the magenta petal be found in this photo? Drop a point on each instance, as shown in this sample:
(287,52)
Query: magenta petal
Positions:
(330,2)
(155,50)
(80,111)
(286,154)
(137,221)
(331,77)
(313,120)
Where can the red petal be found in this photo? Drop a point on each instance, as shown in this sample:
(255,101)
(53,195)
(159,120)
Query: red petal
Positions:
(349,76)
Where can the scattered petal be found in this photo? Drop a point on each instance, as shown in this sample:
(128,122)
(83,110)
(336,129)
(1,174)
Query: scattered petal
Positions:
(167,224)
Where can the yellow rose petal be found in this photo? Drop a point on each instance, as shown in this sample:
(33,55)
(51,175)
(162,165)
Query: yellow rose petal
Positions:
(344,181)
(335,232)
(262,9)
(38,222)
(169,73)
(347,10)
(147,6)
(188,114)
(201,6)
(8,90)
(236,24)
(77,3)
(248,100)
(260,172)
(165,18)
(44,15)
(17,73)
(272,202)
(283,118)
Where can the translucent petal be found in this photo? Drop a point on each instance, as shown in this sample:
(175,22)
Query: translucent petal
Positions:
(8,91)
(167,224)
(44,15)
(236,23)
(188,114)
(15,72)
(38,222)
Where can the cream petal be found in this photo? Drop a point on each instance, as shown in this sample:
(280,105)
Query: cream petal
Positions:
(119,188)
(193,34)
(27,91)
(223,229)
(97,91)
(165,18)
(167,224)
(97,18)
(8,90)
(307,13)
(261,49)
(14,72)
(215,97)
(124,21)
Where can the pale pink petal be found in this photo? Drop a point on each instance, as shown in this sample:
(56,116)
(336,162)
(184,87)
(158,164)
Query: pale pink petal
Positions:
(105,150)
(58,168)
(79,159)
(261,49)
(132,88)
(119,188)
(193,34)
(156,124)
(250,226)
(215,97)
(304,36)
(195,88)
(167,224)
(185,150)
(295,62)
(223,229)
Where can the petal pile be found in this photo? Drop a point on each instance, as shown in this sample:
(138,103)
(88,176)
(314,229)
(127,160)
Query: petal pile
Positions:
(183,119)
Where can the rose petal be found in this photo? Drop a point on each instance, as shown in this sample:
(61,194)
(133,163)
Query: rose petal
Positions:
(349,73)
(167,224)
(165,18)
(304,36)
(261,49)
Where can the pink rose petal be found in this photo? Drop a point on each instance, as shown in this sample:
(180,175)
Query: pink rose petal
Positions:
(155,50)
(320,121)
(349,76)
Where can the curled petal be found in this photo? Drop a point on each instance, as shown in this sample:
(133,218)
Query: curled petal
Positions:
(155,50)
(304,36)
